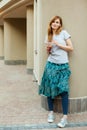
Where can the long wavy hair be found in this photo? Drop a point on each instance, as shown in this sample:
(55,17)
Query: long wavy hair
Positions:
(50,31)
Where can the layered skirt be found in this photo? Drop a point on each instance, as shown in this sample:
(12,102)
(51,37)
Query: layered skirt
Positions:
(55,79)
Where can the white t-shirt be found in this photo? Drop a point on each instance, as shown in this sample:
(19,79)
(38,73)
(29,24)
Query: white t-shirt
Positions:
(57,55)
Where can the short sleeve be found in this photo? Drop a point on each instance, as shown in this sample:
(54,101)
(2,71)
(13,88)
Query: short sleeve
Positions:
(66,35)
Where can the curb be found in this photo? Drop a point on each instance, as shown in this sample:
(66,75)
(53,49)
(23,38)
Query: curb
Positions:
(41,126)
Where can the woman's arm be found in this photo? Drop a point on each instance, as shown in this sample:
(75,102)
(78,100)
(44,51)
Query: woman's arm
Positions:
(68,47)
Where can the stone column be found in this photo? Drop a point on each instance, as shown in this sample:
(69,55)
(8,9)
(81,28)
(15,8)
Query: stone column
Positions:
(30,36)
(38,43)
(1,43)
(15,41)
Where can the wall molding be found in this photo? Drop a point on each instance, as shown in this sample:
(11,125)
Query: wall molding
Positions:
(15,62)
(29,71)
(76,105)
(1,57)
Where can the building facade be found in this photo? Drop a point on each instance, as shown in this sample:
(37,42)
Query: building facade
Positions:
(23,26)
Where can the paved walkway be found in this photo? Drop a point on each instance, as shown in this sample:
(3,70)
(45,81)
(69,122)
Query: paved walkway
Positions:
(20,104)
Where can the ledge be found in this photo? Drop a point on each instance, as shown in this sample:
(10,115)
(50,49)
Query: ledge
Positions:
(15,62)
(1,57)
(29,71)
(76,105)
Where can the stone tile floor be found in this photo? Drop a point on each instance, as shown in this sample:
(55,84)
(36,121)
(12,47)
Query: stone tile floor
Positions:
(20,104)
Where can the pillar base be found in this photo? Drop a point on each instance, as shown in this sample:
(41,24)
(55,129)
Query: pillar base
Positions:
(15,62)
(76,105)
(29,71)
(1,57)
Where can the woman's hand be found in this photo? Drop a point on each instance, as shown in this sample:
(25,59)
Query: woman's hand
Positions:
(55,42)
(49,47)
(67,47)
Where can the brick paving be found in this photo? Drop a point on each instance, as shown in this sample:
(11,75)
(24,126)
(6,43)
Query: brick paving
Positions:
(20,104)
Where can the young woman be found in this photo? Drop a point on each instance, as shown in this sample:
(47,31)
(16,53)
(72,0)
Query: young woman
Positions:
(57,72)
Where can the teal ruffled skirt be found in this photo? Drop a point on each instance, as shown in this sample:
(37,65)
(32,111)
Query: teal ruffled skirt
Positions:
(55,79)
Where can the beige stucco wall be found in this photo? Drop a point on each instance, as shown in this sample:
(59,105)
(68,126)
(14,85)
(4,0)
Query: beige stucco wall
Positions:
(18,42)
(1,42)
(74,18)
(15,39)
